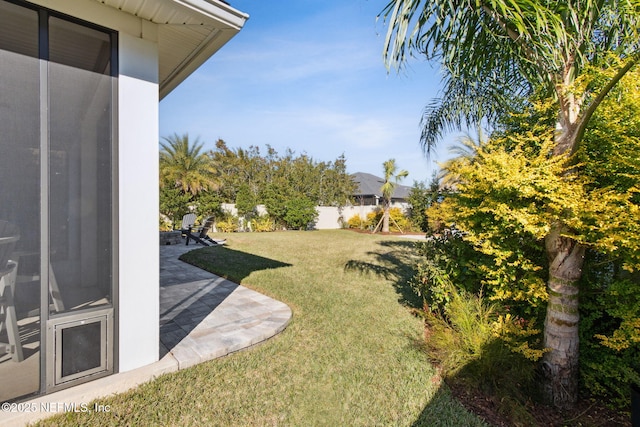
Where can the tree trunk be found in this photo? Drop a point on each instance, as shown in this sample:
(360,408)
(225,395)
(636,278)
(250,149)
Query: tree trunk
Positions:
(385,219)
(560,362)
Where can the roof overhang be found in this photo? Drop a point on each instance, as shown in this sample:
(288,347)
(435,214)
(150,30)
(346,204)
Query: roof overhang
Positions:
(189,32)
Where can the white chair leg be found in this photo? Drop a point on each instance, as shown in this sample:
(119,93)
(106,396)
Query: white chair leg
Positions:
(10,318)
(54,290)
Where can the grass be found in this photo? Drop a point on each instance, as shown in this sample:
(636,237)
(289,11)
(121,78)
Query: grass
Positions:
(351,355)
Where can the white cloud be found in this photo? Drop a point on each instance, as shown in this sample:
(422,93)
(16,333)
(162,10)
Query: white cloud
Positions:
(313,82)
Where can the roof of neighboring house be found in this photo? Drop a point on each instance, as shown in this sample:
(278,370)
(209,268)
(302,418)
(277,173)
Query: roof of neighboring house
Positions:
(369,185)
(189,32)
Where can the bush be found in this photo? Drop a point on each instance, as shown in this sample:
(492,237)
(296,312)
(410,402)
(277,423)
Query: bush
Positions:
(356,221)
(165,223)
(262,224)
(397,219)
(447,263)
(478,348)
(300,212)
(609,331)
(227,225)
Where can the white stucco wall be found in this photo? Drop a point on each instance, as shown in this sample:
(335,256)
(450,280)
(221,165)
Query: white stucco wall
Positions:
(138,202)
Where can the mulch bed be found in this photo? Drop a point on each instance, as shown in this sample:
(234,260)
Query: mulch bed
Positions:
(586,413)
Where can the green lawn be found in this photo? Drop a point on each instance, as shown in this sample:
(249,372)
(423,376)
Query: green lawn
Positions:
(351,355)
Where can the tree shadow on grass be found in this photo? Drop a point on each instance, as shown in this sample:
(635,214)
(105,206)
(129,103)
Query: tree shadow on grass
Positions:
(394,260)
(229,263)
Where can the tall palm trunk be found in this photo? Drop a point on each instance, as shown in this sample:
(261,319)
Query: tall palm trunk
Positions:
(560,362)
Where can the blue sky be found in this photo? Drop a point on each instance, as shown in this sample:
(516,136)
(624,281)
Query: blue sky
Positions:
(308,75)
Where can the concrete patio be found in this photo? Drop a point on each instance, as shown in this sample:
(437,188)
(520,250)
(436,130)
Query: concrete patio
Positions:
(202,317)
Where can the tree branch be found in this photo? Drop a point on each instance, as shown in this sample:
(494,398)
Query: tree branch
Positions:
(593,106)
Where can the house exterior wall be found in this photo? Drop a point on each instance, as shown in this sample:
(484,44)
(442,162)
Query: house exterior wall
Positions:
(139,277)
(137,305)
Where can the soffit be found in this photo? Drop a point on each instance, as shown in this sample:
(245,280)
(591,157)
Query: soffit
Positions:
(189,32)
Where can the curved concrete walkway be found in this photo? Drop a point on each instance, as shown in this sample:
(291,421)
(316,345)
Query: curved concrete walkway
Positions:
(202,317)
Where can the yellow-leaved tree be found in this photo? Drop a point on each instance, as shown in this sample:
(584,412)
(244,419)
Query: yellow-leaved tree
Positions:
(497,51)
(513,189)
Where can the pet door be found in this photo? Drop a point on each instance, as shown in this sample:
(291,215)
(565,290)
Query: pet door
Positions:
(79,348)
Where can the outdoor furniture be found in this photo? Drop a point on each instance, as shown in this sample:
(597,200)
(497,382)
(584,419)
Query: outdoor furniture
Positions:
(199,235)
(9,235)
(54,290)
(188,221)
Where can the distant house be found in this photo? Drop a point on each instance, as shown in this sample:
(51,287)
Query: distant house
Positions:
(80,83)
(369,193)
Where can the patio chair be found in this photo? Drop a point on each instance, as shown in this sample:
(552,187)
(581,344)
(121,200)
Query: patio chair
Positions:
(9,235)
(187,222)
(200,234)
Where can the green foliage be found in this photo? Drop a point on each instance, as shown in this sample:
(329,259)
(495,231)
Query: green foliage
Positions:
(257,176)
(420,198)
(227,225)
(187,178)
(610,158)
(173,203)
(448,263)
(609,153)
(300,212)
(286,184)
(245,200)
(508,195)
(521,186)
(207,203)
(262,224)
(472,343)
(609,330)
(183,165)
(495,53)
(289,210)
(391,179)
(392,176)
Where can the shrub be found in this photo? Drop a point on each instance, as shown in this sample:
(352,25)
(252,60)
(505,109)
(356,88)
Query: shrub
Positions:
(447,263)
(397,219)
(165,223)
(609,331)
(480,349)
(227,225)
(356,221)
(300,212)
(373,218)
(263,223)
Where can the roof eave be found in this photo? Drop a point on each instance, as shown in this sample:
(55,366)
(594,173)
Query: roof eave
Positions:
(206,49)
(225,22)
(218,11)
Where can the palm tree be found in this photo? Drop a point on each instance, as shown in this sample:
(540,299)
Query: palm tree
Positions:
(496,51)
(184,166)
(391,179)
(465,150)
